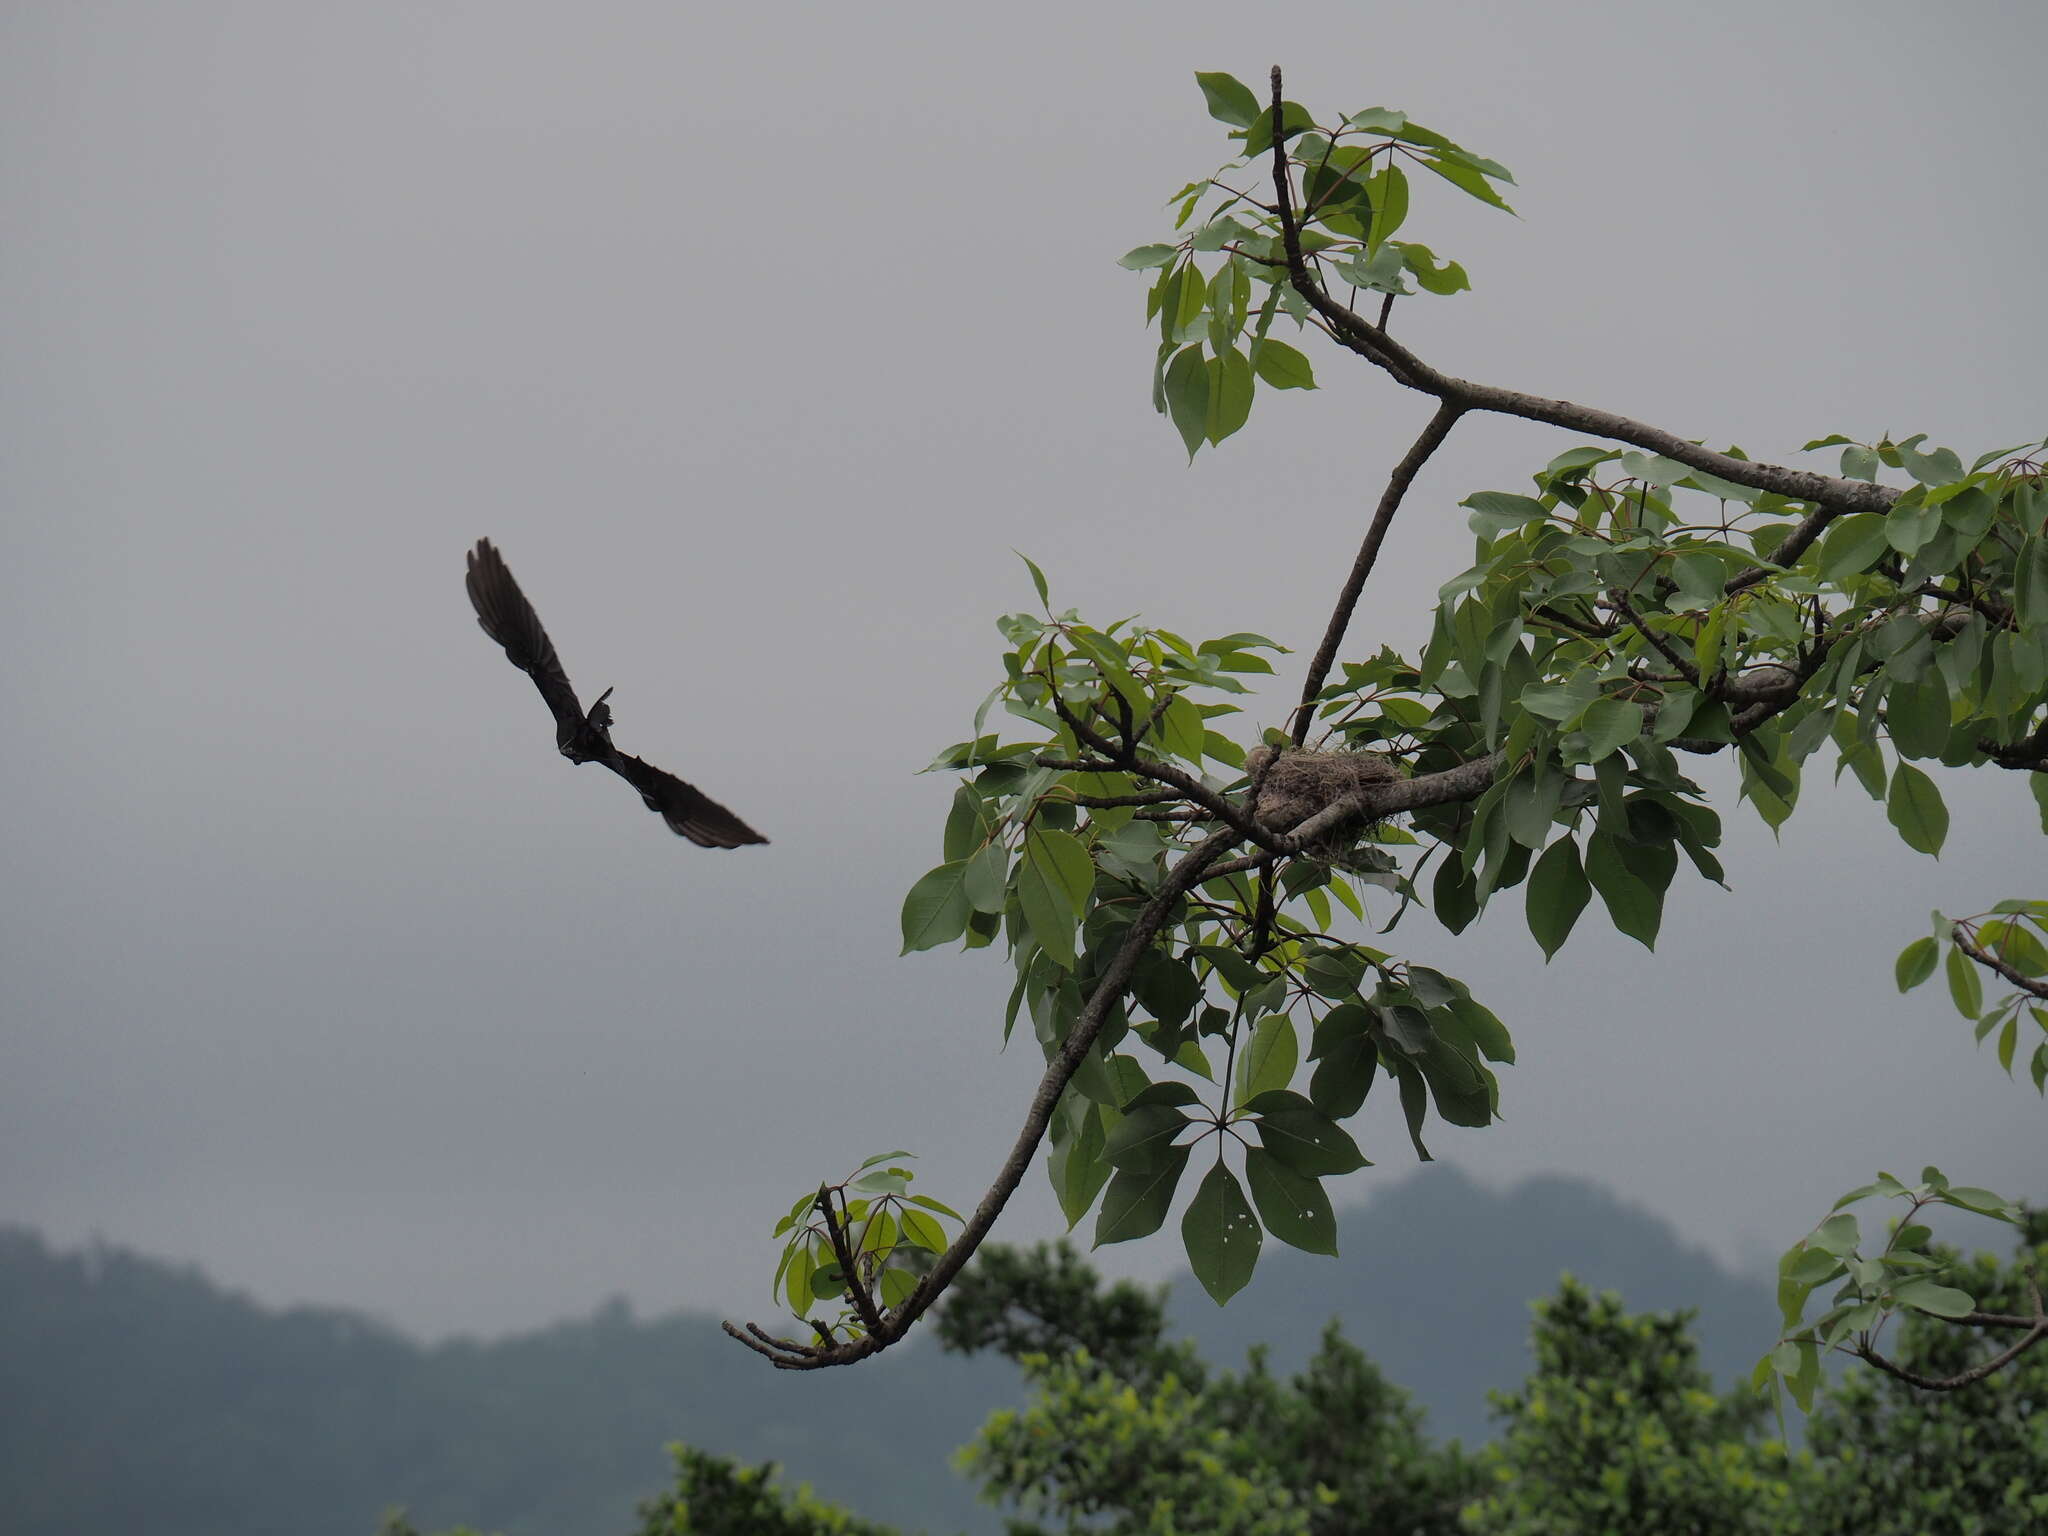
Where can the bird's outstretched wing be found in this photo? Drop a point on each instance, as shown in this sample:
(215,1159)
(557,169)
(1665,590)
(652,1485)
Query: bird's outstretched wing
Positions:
(508,618)
(688,811)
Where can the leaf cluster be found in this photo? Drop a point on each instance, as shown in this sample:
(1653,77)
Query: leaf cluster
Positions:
(871,1221)
(1215,343)
(2009,939)
(1874,1278)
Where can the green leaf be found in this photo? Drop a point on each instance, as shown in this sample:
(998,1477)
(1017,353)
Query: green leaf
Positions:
(1558,893)
(1838,1235)
(1139,1198)
(1914,807)
(1965,986)
(1909,525)
(1281,366)
(1269,1061)
(1610,724)
(1852,544)
(1230,394)
(1047,912)
(984,878)
(1230,99)
(1181,730)
(1064,860)
(1414,1102)
(1494,512)
(2030,582)
(1447,278)
(1076,1166)
(1144,1136)
(1346,1059)
(1469,180)
(1935,1300)
(1804,1377)
(1454,895)
(1187,396)
(1294,119)
(920,1229)
(1982,1201)
(1294,1207)
(1148,256)
(1222,1235)
(1304,1138)
(1636,909)
(935,911)
(1916,714)
(1916,963)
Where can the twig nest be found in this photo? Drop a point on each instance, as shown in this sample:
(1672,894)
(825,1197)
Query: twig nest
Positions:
(1300,783)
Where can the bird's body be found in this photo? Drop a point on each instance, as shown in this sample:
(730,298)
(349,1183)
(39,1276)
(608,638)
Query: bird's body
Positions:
(585,736)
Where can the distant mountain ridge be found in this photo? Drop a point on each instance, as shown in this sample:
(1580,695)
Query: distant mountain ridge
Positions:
(136,1394)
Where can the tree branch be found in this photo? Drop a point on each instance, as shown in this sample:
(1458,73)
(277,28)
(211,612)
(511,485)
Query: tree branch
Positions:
(1432,436)
(1109,990)
(1128,760)
(1991,962)
(1663,647)
(1831,495)
(835,1229)
(1975,1373)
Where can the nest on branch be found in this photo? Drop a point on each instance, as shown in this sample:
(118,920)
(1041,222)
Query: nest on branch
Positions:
(1300,783)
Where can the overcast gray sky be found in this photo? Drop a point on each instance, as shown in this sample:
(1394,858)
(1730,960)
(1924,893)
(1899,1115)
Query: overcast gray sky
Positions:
(757,337)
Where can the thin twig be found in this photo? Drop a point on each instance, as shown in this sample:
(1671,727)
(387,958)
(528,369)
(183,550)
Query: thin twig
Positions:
(835,1229)
(1690,672)
(1989,961)
(1831,495)
(1418,453)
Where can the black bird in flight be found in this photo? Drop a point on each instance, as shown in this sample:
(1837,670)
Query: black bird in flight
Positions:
(508,618)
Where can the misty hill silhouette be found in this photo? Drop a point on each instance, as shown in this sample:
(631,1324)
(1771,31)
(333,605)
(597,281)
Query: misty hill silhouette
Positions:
(136,1394)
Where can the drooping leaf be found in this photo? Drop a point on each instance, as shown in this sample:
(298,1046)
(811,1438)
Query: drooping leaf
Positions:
(1294,1207)
(1230,100)
(1144,1136)
(1965,987)
(1223,1237)
(1914,806)
(1229,403)
(1047,912)
(1269,1060)
(1303,1137)
(1187,396)
(1916,963)
(935,910)
(1064,860)
(1139,1198)
(1281,366)
(1346,1061)
(1636,909)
